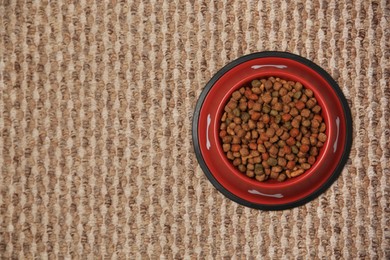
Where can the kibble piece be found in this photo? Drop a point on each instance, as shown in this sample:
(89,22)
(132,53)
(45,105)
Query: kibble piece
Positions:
(268,84)
(316,109)
(272,161)
(226,147)
(241,168)
(311,160)
(305,166)
(309,92)
(322,137)
(270,132)
(297,95)
(305,112)
(250,174)
(260,177)
(311,103)
(256,83)
(282,177)
(297,172)
(274,175)
(237,161)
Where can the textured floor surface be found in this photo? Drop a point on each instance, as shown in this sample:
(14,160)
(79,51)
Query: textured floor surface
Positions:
(96,103)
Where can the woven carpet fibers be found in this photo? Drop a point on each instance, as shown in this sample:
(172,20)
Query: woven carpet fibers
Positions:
(96,103)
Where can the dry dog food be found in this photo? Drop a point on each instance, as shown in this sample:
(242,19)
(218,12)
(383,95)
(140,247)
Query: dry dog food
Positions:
(272,129)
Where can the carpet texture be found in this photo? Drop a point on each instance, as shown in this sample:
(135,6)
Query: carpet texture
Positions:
(96,103)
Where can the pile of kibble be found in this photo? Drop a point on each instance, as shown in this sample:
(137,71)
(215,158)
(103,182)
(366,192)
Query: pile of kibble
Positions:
(272,129)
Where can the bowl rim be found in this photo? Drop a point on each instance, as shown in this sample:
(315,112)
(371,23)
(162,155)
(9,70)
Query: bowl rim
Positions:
(332,83)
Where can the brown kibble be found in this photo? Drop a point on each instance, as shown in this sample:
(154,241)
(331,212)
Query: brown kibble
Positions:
(257,159)
(282,162)
(243,106)
(287,149)
(281,177)
(286,99)
(256,83)
(236,140)
(237,161)
(284,136)
(304,98)
(229,155)
(256,107)
(273,150)
(226,147)
(261,148)
(315,123)
(309,92)
(294,111)
(268,84)
(250,174)
(253,97)
(267,144)
(311,103)
(322,127)
(286,117)
(264,136)
(270,132)
(295,123)
(290,165)
(305,140)
(282,92)
(294,132)
(236,154)
(305,166)
(236,95)
(316,109)
(222,133)
(290,141)
(235,147)
(266,98)
(274,175)
(251,124)
(306,123)
(260,177)
(279,132)
(241,168)
(272,161)
(311,160)
(318,118)
(298,86)
(277,85)
(290,156)
(314,151)
(297,172)
(241,133)
(255,116)
(300,105)
(227,139)
(274,139)
(322,137)
(281,153)
(304,148)
(277,169)
(265,156)
(305,112)
(250,167)
(252,146)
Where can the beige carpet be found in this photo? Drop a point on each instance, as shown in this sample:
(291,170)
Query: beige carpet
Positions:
(96,103)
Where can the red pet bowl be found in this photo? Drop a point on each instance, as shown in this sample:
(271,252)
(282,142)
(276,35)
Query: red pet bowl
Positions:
(271,195)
